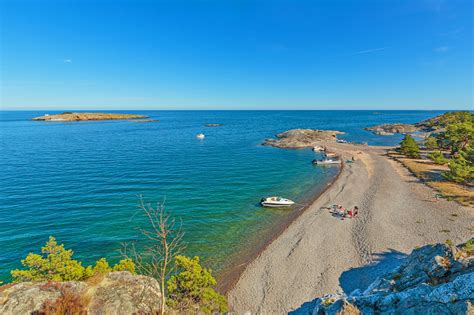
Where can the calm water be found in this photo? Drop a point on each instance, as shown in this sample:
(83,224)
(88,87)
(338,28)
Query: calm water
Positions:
(80,181)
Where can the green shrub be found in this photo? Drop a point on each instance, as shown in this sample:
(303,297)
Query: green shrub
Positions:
(55,263)
(190,291)
(431,143)
(437,157)
(409,147)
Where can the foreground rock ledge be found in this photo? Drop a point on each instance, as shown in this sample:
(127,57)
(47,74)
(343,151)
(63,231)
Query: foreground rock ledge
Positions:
(434,279)
(302,138)
(115,293)
(68,116)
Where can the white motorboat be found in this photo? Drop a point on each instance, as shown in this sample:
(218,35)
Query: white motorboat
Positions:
(276,202)
(327,161)
(318,148)
(200,136)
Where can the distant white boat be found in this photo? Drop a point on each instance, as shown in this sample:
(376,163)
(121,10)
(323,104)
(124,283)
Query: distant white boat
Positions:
(327,161)
(276,202)
(200,136)
(318,148)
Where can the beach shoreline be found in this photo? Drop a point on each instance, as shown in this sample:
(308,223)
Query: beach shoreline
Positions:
(314,253)
(229,276)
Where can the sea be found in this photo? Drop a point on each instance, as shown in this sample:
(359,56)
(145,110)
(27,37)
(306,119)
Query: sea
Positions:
(82,182)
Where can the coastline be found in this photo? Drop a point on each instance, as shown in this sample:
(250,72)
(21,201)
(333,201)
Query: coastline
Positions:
(322,251)
(228,277)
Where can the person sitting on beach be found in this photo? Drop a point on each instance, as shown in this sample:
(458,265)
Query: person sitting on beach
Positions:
(355,211)
(341,210)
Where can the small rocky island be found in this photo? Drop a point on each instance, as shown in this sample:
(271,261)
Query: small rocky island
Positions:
(302,138)
(70,116)
(214,125)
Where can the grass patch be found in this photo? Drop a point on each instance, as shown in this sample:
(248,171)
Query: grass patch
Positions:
(430,174)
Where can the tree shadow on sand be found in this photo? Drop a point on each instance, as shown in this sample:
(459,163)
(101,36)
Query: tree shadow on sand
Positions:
(360,277)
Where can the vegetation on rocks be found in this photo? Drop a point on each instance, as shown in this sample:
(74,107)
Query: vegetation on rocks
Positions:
(55,263)
(452,136)
(190,291)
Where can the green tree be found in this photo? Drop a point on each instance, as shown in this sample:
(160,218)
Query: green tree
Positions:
(161,244)
(55,263)
(461,168)
(431,143)
(460,136)
(438,158)
(191,290)
(409,147)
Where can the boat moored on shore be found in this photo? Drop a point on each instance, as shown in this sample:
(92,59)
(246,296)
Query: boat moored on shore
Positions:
(327,161)
(276,202)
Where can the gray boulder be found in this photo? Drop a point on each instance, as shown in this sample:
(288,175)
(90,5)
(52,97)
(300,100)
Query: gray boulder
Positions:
(115,293)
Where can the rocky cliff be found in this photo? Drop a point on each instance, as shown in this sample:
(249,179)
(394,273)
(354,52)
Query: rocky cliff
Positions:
(115,293)
(434,279)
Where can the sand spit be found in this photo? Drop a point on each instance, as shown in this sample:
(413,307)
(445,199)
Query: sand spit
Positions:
(319,253)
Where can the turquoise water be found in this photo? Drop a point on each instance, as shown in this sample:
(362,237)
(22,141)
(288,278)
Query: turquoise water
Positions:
(80,181)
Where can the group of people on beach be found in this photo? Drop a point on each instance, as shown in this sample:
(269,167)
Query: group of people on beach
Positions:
(345,213)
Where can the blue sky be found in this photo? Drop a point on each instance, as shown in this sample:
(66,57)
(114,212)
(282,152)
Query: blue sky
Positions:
(236,54)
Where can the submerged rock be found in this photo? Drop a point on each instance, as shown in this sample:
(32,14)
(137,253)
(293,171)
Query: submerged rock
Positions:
(302,138)
(115,293)
(434,279)
(69,116)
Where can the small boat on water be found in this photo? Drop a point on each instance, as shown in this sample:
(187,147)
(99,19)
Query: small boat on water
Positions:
(330,154)
(276,202)
(327,161)
(318,148)
(200,136)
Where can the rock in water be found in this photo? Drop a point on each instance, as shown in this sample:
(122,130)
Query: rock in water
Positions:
(214,125)
(115,293)
(302,138)
(434,279)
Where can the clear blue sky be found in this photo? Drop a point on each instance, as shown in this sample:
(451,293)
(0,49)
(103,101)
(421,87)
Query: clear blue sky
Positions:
(378,54)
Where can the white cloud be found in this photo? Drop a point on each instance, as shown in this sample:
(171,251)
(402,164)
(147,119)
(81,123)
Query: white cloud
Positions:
(368,51)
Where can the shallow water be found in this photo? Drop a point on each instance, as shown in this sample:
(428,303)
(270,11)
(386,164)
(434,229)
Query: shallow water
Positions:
(80,181)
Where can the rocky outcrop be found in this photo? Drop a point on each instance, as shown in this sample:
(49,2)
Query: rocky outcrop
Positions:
(115,293)
(390,129)
(434,279)
(69,116)
(302,138)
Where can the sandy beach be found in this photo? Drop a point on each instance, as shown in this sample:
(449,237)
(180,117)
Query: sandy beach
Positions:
(319,253)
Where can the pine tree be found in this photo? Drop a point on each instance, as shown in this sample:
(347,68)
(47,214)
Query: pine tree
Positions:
(409,147)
